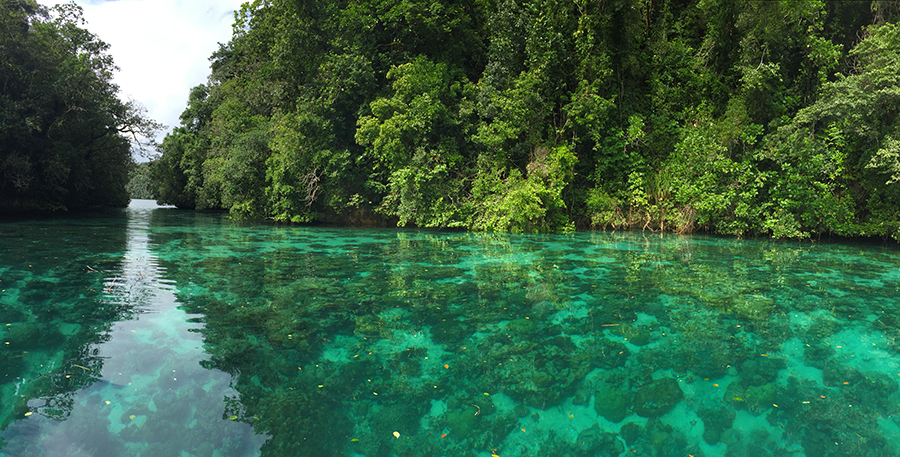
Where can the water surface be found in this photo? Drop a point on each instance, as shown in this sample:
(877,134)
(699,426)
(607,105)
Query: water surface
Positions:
(156,332)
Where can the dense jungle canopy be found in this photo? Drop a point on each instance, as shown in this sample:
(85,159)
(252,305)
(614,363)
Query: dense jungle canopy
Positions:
(754,117)
(65,137)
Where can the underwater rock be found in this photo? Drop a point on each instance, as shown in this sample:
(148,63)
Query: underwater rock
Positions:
(607,353)
(664,439)
(89,432)
(521,410)
(829,438)
(657,397)
(717,292)
(32,336)
(163,448)
(171,407)
(205,450)
(752,307)
(601,316)
(496,426)
(11,367)
(875,391)
(658,438)
(849,310)
(484,404)
(886,322)
(581,397)
(436,273)
(450,331)
(760,398)
(521,327)
(821,329)
(461,421)
(541,379)
(126,417)
(638,336)
(544,377)
(370,326)
(710,358)
(756,399)
(630,432)
(167,379)
(409,362)
(611,402)
(335,291)
(595,440)
(9,314)
(807,303)
(590,438)
(397,418)
(771,334)
(815,353)
(715,423)
(761,370)
(731,437)
(836,374)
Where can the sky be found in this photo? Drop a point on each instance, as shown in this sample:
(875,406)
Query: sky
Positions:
(162,47)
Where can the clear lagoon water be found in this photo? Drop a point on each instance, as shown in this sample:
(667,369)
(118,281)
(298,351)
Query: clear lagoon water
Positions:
(156,332)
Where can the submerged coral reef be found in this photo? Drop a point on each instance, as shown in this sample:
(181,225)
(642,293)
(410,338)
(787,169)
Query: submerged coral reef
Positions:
(581,345)
(408,343)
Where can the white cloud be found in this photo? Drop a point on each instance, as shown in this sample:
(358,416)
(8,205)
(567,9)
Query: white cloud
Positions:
(162,47)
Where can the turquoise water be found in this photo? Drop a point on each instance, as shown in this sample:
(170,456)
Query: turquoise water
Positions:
(155,332)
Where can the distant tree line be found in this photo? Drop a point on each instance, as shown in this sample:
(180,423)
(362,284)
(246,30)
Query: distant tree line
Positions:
(139,182)
(750,117)
(65,137)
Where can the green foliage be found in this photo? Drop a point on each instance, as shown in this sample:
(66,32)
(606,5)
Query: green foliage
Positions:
(745,118)
(533,203)
(415,136)
(65,137)
(139,184)
(845,143)
(177,175)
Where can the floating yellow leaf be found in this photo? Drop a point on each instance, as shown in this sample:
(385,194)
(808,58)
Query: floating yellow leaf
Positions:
(131,417)
(107,402)
(28,414)
(232,418)
(354,439)
(396,435)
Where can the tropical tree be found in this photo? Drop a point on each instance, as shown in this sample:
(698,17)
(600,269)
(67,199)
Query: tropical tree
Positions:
(65,136)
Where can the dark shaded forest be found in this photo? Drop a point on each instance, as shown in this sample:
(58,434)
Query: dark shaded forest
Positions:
(66,139)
